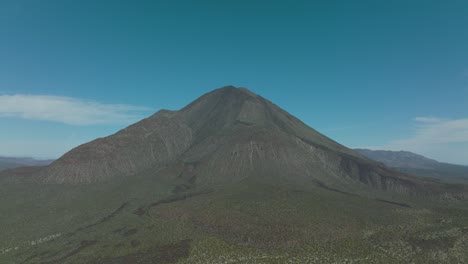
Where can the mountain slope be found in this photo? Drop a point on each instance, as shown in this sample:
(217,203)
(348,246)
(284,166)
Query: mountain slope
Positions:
(221,138)
(415,164)
(219,118)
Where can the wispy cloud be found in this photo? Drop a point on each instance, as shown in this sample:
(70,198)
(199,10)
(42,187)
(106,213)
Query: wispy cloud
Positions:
(443,139)
(68,110)
(431,130)
(428,119)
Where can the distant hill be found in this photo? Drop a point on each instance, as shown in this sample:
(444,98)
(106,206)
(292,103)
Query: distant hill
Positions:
(419,165)
(15,162)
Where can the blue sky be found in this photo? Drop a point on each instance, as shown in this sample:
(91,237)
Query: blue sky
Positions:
(379,74)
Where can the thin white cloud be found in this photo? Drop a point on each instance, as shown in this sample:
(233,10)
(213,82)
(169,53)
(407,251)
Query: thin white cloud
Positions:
(68,110)
(431,130)
(443,139)
(428,119)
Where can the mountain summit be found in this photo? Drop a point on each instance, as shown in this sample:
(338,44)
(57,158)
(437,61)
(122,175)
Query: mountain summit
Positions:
(223,137)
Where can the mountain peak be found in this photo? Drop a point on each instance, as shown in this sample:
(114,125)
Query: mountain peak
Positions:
(232,91)
(227,119)
(223,137)
(224,107)
(232,88)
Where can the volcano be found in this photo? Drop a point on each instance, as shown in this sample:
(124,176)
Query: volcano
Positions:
(230,178)
(224,137)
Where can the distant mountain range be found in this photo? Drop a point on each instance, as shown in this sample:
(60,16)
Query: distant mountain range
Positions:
(15,162)
(419,165)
